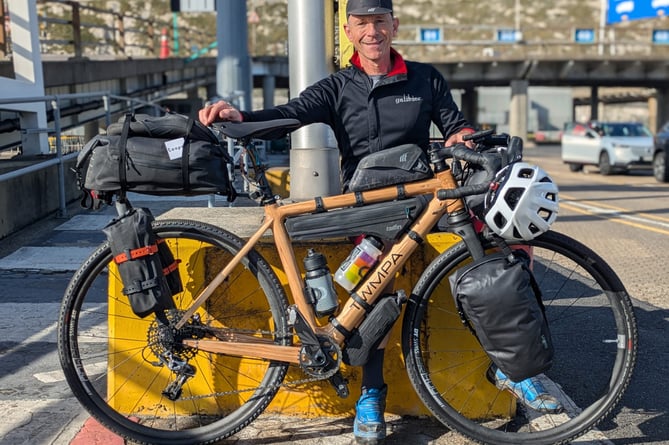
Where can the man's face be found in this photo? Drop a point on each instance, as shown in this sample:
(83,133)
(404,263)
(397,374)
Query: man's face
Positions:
(371,35)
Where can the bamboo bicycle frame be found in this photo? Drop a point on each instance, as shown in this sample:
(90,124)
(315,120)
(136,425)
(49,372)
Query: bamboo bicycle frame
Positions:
(352,313)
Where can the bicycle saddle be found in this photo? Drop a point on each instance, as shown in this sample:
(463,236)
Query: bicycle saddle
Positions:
(260,130)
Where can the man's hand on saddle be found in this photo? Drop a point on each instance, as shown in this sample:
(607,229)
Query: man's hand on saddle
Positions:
(219,111)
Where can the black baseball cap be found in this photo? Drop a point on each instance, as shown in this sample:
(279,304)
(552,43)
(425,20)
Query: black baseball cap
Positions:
(368,7)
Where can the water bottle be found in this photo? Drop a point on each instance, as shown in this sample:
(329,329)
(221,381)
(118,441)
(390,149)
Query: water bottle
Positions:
(319,284)
(359,262)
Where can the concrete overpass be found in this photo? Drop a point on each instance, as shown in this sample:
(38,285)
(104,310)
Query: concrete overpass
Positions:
(158,80)
(67,88)
(169,82)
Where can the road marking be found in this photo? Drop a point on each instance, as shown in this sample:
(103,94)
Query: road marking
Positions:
(619,215)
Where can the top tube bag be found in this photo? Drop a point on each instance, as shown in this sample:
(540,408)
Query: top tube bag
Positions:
(396,165)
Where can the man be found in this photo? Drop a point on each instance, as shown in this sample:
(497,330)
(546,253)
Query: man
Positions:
(378,102)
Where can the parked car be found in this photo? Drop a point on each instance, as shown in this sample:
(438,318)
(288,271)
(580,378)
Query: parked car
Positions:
(612,146)
(661,154)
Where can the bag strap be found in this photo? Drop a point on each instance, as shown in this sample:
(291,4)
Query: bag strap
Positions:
(123,154)
(185,157)
(133,254)
(501,243)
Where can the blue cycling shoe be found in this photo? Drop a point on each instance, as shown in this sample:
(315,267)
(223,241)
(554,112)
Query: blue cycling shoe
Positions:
(369,426)
(530,392)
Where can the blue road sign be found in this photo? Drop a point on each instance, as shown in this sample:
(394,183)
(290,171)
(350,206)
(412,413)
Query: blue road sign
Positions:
(509,35)
(624,10)
(430,34)
(193,5)
(584,35)
(661,36)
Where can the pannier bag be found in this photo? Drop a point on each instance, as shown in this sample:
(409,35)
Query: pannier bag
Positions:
(385,220)
(145,263)
(397,165)
(499,300)
(169,155)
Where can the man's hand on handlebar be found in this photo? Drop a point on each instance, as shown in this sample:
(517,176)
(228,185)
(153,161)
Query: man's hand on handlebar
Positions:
(219,111)
(459,138)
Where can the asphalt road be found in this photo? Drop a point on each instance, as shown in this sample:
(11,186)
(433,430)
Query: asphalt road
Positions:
(625,218)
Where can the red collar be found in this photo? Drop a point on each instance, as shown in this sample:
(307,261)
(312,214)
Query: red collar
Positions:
(399,67)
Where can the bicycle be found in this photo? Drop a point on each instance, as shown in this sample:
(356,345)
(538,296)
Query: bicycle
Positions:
(229,344)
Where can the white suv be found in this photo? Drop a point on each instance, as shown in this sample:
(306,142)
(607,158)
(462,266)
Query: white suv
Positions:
(612,146)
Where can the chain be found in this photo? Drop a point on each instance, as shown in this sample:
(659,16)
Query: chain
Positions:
(278,385)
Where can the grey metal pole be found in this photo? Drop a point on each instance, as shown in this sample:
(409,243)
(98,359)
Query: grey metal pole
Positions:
(62,201)
(233,69)
(314,160)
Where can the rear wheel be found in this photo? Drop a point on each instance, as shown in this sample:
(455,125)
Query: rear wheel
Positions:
(594,333)
(136,377)
(575,167)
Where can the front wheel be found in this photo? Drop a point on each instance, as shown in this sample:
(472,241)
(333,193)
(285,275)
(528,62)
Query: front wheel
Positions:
(136,377)
(593,330)
(660,170)
(605,167)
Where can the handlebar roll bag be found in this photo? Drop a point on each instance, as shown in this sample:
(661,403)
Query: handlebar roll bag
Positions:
(158,156)
(396,165)
(499,300)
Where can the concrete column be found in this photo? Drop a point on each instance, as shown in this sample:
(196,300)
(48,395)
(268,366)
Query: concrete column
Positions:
(469,105)
(658,109)
(28,76)
(518,109)
(91,129)
(594,103)
(268,91)
(233,70)
(314,160)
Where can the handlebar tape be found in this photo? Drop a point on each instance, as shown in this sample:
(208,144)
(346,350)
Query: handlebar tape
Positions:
(482,159)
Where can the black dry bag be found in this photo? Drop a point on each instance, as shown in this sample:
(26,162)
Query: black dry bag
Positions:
(146,266)
(499,300)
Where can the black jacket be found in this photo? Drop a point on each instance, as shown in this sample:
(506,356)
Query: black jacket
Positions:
(398,110)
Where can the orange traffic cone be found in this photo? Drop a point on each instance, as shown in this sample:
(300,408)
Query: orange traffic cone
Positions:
(164,47)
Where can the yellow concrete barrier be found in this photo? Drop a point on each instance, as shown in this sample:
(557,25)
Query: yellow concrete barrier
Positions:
(316,399)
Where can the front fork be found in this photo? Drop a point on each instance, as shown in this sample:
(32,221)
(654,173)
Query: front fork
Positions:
(460,223)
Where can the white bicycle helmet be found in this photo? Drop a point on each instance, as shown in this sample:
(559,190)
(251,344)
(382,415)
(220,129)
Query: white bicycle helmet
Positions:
(522,202)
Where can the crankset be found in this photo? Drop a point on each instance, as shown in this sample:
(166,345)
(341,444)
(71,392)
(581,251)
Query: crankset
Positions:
(320,357)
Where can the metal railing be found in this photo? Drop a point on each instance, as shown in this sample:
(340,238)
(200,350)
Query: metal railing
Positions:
(112,104)
(441,43)
(68,27)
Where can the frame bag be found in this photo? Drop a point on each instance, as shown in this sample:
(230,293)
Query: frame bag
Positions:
(145,263)
(169,155)
(397,165)
(499,300)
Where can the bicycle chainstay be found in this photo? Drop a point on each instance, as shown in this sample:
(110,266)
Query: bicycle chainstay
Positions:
(207,330)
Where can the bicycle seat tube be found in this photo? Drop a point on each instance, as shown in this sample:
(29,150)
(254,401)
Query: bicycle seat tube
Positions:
(369,290)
